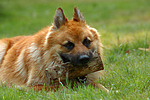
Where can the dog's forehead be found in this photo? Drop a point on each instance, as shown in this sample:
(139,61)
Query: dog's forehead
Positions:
(76,31)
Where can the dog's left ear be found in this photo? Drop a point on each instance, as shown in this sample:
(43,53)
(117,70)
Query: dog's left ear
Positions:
(77,15)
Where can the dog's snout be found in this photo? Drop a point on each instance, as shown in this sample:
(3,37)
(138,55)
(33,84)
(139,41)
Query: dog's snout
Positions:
(83,59)
(78,59)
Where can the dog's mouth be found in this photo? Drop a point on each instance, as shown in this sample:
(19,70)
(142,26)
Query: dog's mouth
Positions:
(66,69)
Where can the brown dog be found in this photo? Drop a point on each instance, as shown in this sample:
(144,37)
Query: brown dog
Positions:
(68,49)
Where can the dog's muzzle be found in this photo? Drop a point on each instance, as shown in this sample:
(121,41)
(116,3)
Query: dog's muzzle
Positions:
(78,59)
(83,59)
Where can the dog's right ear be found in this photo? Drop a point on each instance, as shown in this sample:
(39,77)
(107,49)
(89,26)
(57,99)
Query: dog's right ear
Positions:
(59,18)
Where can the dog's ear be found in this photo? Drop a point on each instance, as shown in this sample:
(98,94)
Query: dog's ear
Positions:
(59,18)
(77,15)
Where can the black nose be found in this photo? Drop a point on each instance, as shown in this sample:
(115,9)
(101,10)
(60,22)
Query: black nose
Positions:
(83,59)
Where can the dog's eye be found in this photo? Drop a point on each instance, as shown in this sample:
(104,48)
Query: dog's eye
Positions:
(69,45)
(86,42)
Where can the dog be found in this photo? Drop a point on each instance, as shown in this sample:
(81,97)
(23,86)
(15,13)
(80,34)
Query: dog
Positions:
(68,50)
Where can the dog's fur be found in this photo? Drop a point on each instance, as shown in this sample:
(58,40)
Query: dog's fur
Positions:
(40,59)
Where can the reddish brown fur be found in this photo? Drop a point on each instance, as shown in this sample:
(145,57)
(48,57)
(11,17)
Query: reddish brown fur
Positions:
(25,58)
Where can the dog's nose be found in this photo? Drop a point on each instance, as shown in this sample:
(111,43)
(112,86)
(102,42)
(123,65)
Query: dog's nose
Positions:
(83,59)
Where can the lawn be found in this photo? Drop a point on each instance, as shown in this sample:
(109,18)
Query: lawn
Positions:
(124,26)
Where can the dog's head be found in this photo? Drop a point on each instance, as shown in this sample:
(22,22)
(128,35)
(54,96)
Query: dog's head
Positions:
(74,41)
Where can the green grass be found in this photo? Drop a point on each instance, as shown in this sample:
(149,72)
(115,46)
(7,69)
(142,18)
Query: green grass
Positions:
(123,25)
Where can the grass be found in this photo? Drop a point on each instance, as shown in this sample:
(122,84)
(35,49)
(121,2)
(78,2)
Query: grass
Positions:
(123,25)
